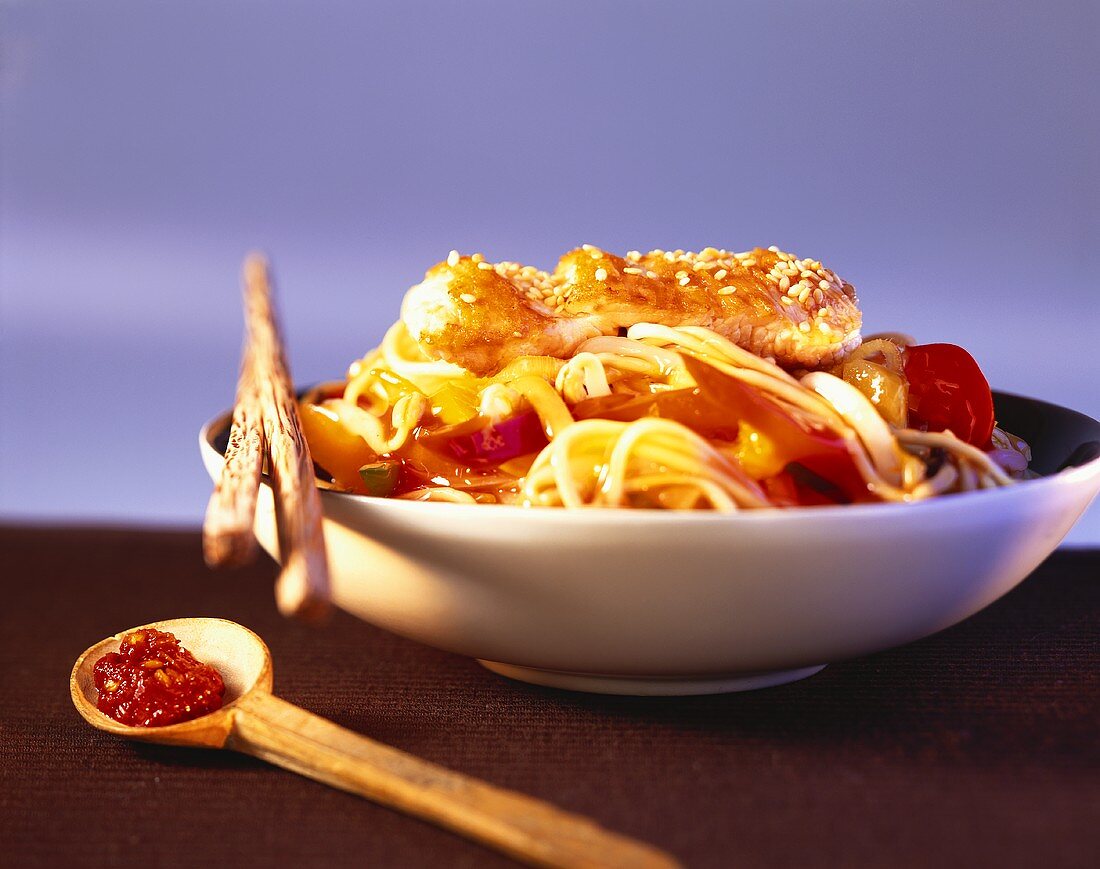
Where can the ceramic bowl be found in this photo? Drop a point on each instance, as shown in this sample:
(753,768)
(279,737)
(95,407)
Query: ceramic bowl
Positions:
(651,602)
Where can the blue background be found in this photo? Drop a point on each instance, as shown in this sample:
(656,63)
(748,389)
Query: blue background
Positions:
(945,158)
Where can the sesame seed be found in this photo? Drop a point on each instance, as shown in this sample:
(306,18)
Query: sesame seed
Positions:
(684,281)
(588,247)
(721,273)
(784,283)
(632,270)
(681,274)
(786,300)
(804,326)
(468,298)
(803,296)
(601,274)
(825,329)
(727,291)
(748,263)
(452,258)
(485,267)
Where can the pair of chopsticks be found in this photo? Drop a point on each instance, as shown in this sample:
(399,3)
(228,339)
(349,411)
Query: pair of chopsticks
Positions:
(266,423)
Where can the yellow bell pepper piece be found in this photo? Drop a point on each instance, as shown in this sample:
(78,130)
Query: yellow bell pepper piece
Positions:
(546,367)
(756,453)
(453,404)
(888,392)
(333,447)
(393,386)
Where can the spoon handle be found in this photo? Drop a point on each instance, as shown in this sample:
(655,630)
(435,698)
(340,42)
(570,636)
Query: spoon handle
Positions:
(523,827)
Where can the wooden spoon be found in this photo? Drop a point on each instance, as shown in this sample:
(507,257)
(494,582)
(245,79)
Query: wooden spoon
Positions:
(254,721)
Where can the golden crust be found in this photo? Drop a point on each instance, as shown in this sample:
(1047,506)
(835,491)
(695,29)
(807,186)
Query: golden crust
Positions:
(481,315)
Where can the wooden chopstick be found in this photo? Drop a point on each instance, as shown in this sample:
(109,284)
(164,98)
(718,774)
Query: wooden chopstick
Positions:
(303,585)
(227,536)
(265,394)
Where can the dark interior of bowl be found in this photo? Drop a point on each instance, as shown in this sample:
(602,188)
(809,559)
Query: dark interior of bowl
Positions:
(219,436)
(1059,437)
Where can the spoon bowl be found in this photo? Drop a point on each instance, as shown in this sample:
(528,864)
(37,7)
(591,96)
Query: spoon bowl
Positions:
(254,721)
(239,655)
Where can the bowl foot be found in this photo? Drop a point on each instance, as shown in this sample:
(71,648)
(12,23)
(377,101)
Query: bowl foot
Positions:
(650,686)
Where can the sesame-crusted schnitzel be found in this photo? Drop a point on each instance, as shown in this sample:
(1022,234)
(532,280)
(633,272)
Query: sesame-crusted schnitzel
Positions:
(480,315)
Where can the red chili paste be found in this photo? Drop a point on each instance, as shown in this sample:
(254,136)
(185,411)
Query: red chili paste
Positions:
(151,681)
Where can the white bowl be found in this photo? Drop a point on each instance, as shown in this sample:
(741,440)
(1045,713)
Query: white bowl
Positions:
(650,602)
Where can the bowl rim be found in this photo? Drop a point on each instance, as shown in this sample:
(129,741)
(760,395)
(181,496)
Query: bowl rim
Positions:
(618,515)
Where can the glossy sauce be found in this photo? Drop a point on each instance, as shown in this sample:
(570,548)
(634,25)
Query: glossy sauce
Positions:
(152,681)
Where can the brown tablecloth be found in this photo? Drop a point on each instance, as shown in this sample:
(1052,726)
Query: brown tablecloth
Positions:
(975,747)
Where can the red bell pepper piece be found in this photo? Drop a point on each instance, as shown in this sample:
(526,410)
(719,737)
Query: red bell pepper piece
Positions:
(483,443)
(947,390)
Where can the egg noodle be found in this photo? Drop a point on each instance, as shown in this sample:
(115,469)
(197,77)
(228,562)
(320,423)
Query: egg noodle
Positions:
(395,395)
